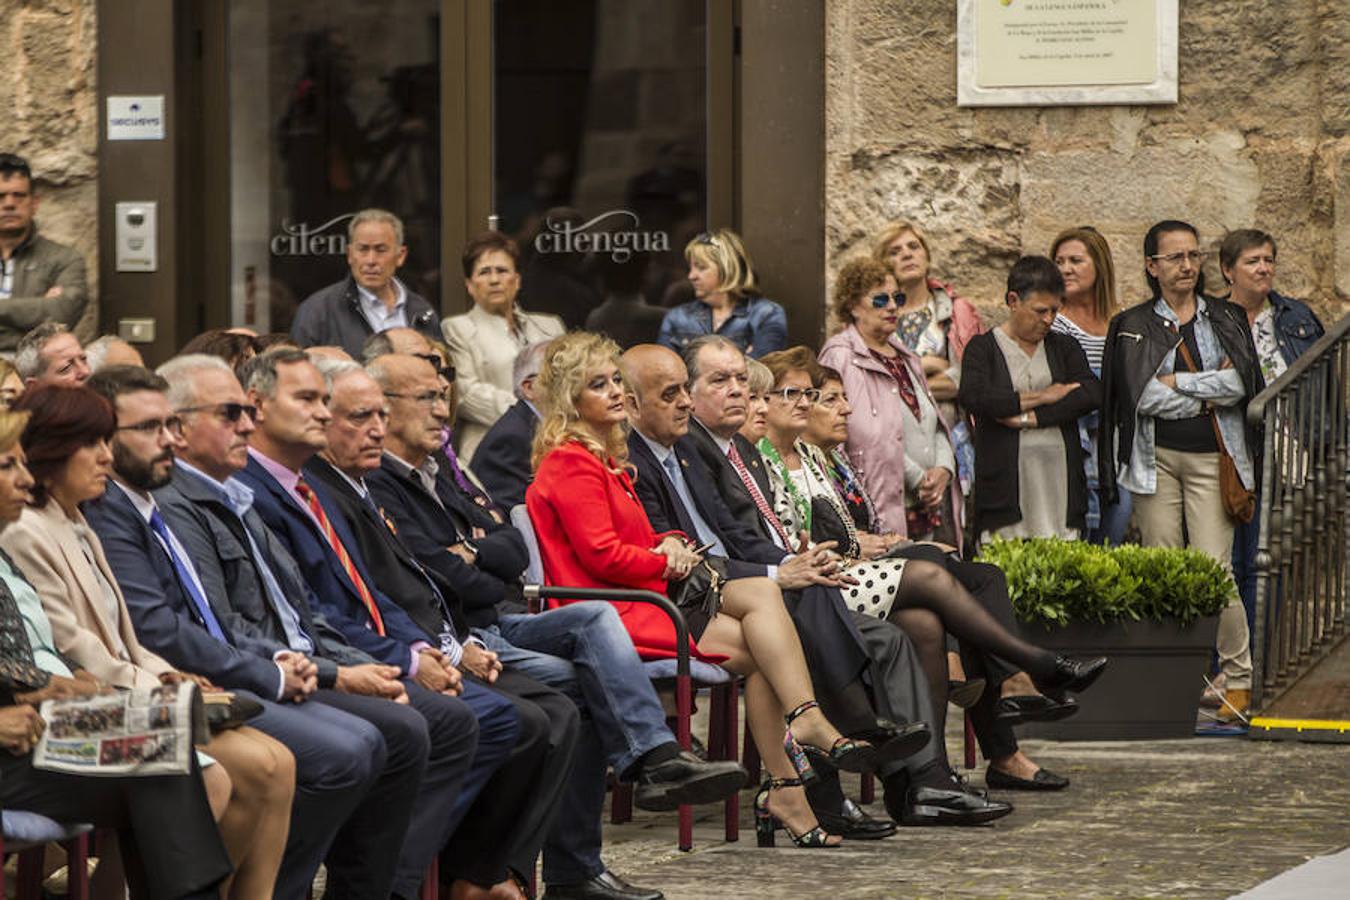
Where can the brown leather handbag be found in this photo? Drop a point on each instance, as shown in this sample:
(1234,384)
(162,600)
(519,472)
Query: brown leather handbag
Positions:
(1238,502)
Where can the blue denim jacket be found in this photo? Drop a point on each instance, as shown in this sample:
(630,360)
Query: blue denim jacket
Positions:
(757,325)
(1296,326)
(1221,388)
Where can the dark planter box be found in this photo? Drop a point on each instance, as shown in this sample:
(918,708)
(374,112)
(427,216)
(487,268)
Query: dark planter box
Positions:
(1149,691)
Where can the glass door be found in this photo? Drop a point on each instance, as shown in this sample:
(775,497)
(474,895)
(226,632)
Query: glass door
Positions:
(333,107)
(600,154)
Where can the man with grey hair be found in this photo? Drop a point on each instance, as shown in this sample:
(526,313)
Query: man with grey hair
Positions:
(111,350)
(370,299)
(50,354)
(504,467)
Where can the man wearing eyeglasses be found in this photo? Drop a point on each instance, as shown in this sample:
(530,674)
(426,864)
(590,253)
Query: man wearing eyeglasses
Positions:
(40,280)
(370,299)
(50,354)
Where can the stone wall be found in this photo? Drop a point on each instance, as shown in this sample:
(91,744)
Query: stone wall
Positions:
(50,105)
(1260,137)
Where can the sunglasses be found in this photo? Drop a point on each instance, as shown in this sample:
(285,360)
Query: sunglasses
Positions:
(446,372)
(230,412)
(883,300)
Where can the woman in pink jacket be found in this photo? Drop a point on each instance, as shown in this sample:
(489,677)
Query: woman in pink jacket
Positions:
(899,443)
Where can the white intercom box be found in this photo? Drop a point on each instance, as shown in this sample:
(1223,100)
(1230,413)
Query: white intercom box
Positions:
(137,238)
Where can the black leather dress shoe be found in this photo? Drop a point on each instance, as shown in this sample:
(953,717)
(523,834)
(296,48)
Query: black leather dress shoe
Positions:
(855,824)
(891,741)
(1033,708)
(687,779)
(965,694)
(605,886)
(927,806)
(1043,780)
(1074,675)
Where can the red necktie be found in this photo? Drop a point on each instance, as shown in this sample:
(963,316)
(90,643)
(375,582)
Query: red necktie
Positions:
(755,494)
(312,501)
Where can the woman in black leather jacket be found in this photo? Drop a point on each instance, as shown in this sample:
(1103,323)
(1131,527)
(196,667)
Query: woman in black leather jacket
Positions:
(1178,372)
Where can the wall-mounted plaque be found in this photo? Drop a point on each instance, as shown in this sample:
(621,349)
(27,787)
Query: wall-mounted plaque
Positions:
(1066,52)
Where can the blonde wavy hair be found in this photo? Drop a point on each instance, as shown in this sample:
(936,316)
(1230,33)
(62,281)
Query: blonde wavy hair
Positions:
(569,363)
(11,428)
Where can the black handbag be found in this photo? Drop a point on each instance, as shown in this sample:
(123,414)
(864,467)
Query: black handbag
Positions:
(828,525)
(702,587)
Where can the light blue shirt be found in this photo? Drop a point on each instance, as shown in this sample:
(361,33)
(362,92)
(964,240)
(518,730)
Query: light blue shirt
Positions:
(671,463)
(381,317)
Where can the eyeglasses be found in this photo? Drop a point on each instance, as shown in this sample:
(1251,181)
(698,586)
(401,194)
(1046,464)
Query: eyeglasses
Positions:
(230,412)
(796,395)
(426,398)
(172,425)
(1194,257)
(883,300)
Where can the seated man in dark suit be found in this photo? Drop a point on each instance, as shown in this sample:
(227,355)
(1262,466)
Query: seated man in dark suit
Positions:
(290,397)
(503,467)
(582,649)
(899,688)
(173,610)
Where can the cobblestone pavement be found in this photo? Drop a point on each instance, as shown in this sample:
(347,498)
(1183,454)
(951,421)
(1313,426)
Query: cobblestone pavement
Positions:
(1197,818)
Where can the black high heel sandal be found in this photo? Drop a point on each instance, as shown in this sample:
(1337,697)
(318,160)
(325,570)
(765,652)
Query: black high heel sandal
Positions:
(766,823)
(845,754)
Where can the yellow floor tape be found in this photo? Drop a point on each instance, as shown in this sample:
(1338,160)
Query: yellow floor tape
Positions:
(1300,725)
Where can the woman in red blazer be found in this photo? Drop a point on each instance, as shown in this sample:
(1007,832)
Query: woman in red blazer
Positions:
(593,532)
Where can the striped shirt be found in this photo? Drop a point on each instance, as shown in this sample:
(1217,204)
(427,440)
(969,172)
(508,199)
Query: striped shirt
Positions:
(1092,344)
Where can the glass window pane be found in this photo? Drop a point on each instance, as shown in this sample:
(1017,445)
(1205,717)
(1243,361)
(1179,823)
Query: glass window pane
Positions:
(600,154)
(334,107)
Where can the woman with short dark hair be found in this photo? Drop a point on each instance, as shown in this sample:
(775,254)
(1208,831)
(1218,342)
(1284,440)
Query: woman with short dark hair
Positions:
(1027,387)
(485,340)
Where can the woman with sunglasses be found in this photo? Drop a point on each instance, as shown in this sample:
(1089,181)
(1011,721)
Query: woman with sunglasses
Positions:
(899,444)
(726,299)
(1177,374)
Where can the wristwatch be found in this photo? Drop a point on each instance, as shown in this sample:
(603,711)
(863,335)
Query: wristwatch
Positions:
(1025,419)
(472,547)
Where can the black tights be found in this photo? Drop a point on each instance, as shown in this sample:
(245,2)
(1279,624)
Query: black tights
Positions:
(928,587)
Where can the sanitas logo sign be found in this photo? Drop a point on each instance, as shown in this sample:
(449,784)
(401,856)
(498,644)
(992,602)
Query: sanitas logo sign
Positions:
(617,238)
(301,240)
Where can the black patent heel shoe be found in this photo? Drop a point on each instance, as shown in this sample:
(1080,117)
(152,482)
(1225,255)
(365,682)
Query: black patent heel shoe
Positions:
(766,823)
(845,754)
(1076,675)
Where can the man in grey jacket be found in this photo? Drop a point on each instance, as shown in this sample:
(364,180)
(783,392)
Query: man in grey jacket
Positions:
(370,299)
(40,280)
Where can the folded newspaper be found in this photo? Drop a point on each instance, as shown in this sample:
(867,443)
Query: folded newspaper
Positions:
(147,731)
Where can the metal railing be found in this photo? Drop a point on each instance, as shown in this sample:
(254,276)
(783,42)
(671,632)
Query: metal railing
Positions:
(1304,509)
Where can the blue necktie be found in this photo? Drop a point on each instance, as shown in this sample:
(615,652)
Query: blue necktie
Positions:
(185,578)
(705,533)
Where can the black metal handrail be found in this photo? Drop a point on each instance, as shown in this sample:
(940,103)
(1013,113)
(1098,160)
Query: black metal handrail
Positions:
(617,595)
(1304,544)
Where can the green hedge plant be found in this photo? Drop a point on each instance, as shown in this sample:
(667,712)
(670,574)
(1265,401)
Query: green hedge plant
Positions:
(1056,582)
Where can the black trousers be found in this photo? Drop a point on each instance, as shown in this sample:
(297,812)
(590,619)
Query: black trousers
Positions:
(168,837)
(988,585)
(506,826)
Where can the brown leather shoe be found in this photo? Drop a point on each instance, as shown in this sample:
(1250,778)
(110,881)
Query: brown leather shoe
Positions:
(1239,698)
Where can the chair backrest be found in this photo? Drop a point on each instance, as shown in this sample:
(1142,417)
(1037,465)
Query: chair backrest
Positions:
(520,519)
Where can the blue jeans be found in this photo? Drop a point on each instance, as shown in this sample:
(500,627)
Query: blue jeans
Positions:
(583,651)
(1115,518)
